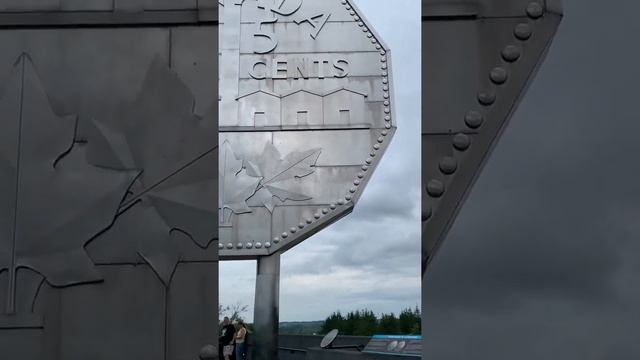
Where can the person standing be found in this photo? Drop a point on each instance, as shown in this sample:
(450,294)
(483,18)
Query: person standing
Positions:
(227,338)
(241,336)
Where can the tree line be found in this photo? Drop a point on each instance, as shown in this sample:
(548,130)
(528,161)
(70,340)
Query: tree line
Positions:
(365,323)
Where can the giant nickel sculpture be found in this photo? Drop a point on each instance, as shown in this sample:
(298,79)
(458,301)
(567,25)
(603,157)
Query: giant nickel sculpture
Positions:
(306,114)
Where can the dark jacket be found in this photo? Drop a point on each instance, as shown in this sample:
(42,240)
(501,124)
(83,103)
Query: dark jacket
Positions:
(229,334)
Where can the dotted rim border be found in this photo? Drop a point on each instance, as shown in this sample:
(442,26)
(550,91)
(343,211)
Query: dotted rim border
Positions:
(474,119)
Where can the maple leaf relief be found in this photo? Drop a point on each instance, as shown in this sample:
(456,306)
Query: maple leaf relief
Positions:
(235,185)
(52,200)
(265,180)
(175,148)
(275,171)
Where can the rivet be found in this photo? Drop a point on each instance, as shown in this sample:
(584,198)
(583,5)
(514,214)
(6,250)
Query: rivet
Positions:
(368,161)
(353,190)
(373,41)
(385,95)
(372,153)
(239,245)
(293,230)
(383,59)
(387,126)
(380,139)
(348,7)
(387,118)
(284,235)
(435,188)
(356,182)
(364,167)
(258,245)
(309,220)
(473,119)
(325,211)
(384,132)
(522,31)
(461,141)
(384,73)
(426,214)
(340,202)
(378,47)
(316,215)
(448,165)
(376,146)
(220,246)
(486,98)
(301,225)
(369,35)
(534,10)
(360,23)
(332,206)
(229,246)
(352,13)
(499,75)
(385,88)
(356,18)
(387,110)
(386,103)
(276,240)
(344,2)
(382,52)
(360,175)
(384,66)
(249,245)
(348,197)
(267,244)
(511,53)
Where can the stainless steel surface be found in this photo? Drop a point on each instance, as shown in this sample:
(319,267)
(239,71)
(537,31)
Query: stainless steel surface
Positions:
(267,308)
(478,58)
(306,114)
(108,180)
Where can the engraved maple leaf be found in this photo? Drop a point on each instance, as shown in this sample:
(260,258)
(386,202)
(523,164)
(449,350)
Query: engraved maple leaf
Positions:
(235,185)
(52,201)
(177,152)
(275,171)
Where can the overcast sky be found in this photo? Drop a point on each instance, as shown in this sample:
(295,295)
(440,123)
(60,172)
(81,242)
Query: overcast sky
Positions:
(544,260)
(371,258)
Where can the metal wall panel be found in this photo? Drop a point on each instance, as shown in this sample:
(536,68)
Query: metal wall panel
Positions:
(108,179)
(478,58)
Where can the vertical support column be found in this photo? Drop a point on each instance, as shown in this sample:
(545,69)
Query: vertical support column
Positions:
(267,308)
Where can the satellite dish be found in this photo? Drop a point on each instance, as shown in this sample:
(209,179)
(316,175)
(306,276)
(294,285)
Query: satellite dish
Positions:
(329,339)
(392,346)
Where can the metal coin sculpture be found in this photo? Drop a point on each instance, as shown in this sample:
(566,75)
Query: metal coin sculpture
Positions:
(306,115)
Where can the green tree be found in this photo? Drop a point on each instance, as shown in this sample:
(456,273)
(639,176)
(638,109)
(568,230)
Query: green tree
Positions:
(389,324)
(366,324)
(409,321)
(334,321)
(233,312)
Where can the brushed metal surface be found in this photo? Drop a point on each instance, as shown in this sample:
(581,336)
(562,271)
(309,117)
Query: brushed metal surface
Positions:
(108,180)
